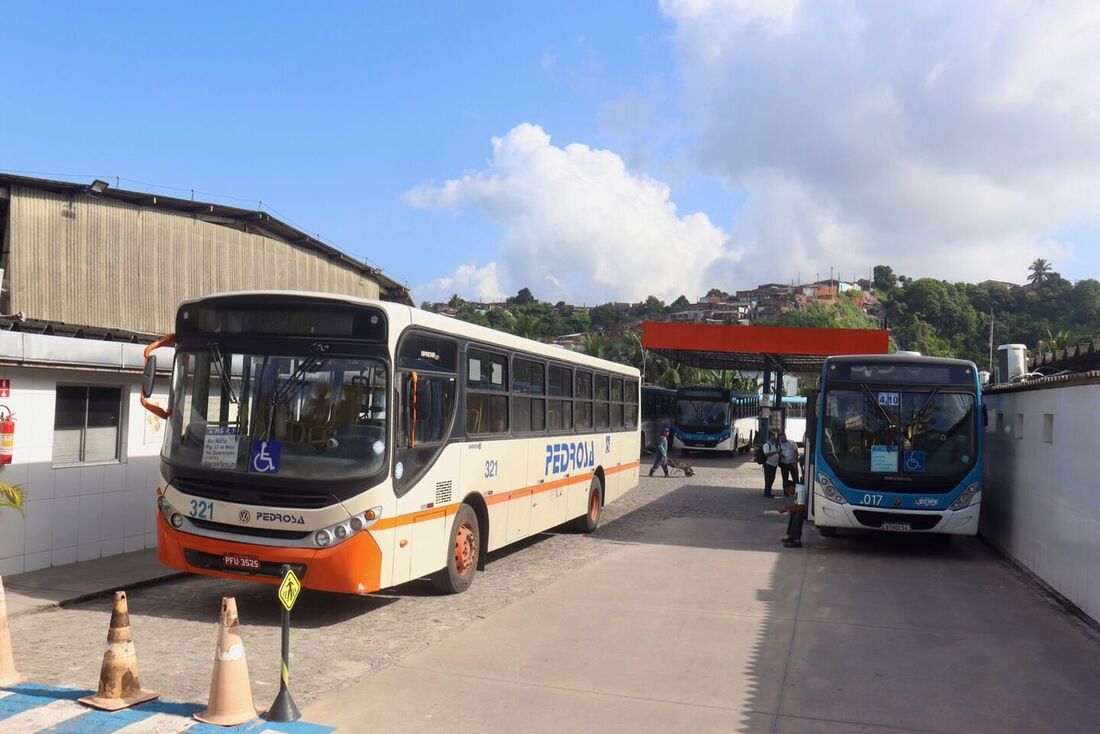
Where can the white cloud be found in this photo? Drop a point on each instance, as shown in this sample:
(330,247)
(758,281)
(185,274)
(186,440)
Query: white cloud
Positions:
(949,139)
(469,281)
(578,225)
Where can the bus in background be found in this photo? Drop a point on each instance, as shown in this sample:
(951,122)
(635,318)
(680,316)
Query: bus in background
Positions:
(794,423)
(367,443)
(897,445)
(658,408)
(746,419)
(702,420)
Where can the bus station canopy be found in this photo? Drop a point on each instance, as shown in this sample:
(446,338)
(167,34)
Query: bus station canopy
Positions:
(731,347)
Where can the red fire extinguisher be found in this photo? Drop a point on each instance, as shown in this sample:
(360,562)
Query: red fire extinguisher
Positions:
(7,434)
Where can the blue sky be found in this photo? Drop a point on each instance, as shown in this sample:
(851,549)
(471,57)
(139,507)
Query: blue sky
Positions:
(335,116)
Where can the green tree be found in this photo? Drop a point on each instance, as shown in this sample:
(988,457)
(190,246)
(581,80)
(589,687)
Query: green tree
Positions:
(593,344)
(527,326)
(884,278)
(717,292)
(1040,270)
(679,304)
(522,298)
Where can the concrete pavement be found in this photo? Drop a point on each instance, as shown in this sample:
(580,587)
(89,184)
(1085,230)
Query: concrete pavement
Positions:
(74,582)
(708,625)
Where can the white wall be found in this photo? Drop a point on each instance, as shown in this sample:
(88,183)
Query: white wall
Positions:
(1041,503)
(77,513)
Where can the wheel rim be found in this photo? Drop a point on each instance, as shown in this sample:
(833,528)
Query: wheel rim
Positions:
(594,505)
(465,549)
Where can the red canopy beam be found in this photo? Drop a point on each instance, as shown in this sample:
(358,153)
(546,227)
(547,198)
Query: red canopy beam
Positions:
(796,340)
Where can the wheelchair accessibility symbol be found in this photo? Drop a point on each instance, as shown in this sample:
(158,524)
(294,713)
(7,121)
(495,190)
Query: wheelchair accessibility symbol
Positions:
(914,461)
(264,457)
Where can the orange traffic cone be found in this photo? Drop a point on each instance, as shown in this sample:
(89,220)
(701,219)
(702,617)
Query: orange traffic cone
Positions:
(230,690)
(9,676)
(119,686)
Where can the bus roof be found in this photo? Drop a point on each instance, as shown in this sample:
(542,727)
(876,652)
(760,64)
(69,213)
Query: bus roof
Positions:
(897,359)
(438,322)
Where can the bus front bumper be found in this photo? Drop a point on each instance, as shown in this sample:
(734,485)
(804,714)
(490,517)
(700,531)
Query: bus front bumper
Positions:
(859,517)
(351,567)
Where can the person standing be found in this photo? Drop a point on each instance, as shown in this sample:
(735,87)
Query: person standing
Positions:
(796,513)
(771,462)
(661,460)
(788,459)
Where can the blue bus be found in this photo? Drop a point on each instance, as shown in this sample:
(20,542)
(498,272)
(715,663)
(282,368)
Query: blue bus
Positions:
(897,445)
(703,420)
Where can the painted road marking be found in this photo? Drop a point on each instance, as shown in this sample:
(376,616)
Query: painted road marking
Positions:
(39,709)
(41,717)
(158,724)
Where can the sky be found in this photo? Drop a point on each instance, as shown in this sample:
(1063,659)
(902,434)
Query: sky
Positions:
(591,151)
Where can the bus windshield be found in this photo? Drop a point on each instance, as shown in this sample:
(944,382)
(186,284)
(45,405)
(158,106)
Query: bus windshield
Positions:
(701,413)
(303,417)
(920,433)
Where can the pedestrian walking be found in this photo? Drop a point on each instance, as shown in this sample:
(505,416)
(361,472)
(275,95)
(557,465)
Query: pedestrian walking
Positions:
(796,513)
(661,460)
(770,449)
(788,459)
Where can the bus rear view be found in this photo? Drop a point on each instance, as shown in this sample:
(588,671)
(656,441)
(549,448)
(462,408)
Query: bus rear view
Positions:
(898,445)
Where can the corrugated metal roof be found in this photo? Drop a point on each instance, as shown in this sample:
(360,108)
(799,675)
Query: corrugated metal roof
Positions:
(259,220)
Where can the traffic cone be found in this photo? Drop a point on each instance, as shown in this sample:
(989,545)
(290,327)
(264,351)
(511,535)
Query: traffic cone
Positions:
(9,676)
(230,701)
(119,686)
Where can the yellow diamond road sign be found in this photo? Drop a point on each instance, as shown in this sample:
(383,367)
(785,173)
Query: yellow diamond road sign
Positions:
(288,590)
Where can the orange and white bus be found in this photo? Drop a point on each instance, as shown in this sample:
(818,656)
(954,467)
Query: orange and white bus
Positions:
(367,443)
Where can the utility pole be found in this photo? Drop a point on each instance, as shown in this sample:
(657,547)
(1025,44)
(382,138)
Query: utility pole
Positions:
(991,340)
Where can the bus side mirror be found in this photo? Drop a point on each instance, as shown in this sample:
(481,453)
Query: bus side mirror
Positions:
(149,376)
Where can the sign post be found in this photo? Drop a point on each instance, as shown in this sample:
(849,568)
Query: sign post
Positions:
(284,709)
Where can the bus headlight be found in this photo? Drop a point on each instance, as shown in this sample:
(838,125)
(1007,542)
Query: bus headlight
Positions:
(341,531)
(829,491)
(965,498)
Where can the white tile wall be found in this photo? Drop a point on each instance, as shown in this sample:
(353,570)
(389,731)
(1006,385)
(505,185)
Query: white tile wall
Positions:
(76,513)
(1041,502)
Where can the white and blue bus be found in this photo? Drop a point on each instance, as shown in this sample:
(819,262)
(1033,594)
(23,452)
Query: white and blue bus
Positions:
(703,420)
(897,445)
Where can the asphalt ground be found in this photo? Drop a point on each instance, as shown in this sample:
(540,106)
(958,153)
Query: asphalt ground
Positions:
(861,633)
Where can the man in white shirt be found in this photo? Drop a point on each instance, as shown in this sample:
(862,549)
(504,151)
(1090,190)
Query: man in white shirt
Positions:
(796,512)
(771,462)
(788,459)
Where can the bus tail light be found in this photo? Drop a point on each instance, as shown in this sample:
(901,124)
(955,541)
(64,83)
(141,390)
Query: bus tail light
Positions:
(829,491)
(965,499)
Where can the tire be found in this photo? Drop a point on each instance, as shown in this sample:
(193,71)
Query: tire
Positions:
(463,552)
(589,521)
(827,532)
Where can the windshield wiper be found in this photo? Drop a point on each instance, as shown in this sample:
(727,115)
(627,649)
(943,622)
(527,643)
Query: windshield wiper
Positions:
(298,378)
(219,366)
(927,404)
(874,402)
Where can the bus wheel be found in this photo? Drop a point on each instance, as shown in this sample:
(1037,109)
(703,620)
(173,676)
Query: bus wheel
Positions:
(826,532)
(462,555)
(589,521)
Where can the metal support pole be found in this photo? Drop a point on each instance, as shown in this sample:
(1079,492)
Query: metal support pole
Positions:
(762,432)
(781,416)
(284,709)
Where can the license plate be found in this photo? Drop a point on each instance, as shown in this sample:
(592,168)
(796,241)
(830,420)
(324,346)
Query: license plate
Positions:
(237,560)
(897,527)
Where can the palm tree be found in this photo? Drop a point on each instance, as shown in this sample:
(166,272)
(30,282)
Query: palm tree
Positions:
(527,326)
(1040,271)
(593,344)
(1057,340)
(13,495)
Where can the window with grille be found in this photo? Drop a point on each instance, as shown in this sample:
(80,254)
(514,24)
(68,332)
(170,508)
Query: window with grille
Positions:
(87,424)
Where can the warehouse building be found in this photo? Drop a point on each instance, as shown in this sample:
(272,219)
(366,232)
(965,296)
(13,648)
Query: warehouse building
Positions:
(90,275)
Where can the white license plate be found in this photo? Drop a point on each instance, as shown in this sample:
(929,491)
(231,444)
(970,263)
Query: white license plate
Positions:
(237,560)
(897,527)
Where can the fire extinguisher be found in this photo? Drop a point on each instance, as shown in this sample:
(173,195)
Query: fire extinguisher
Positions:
(7,434)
